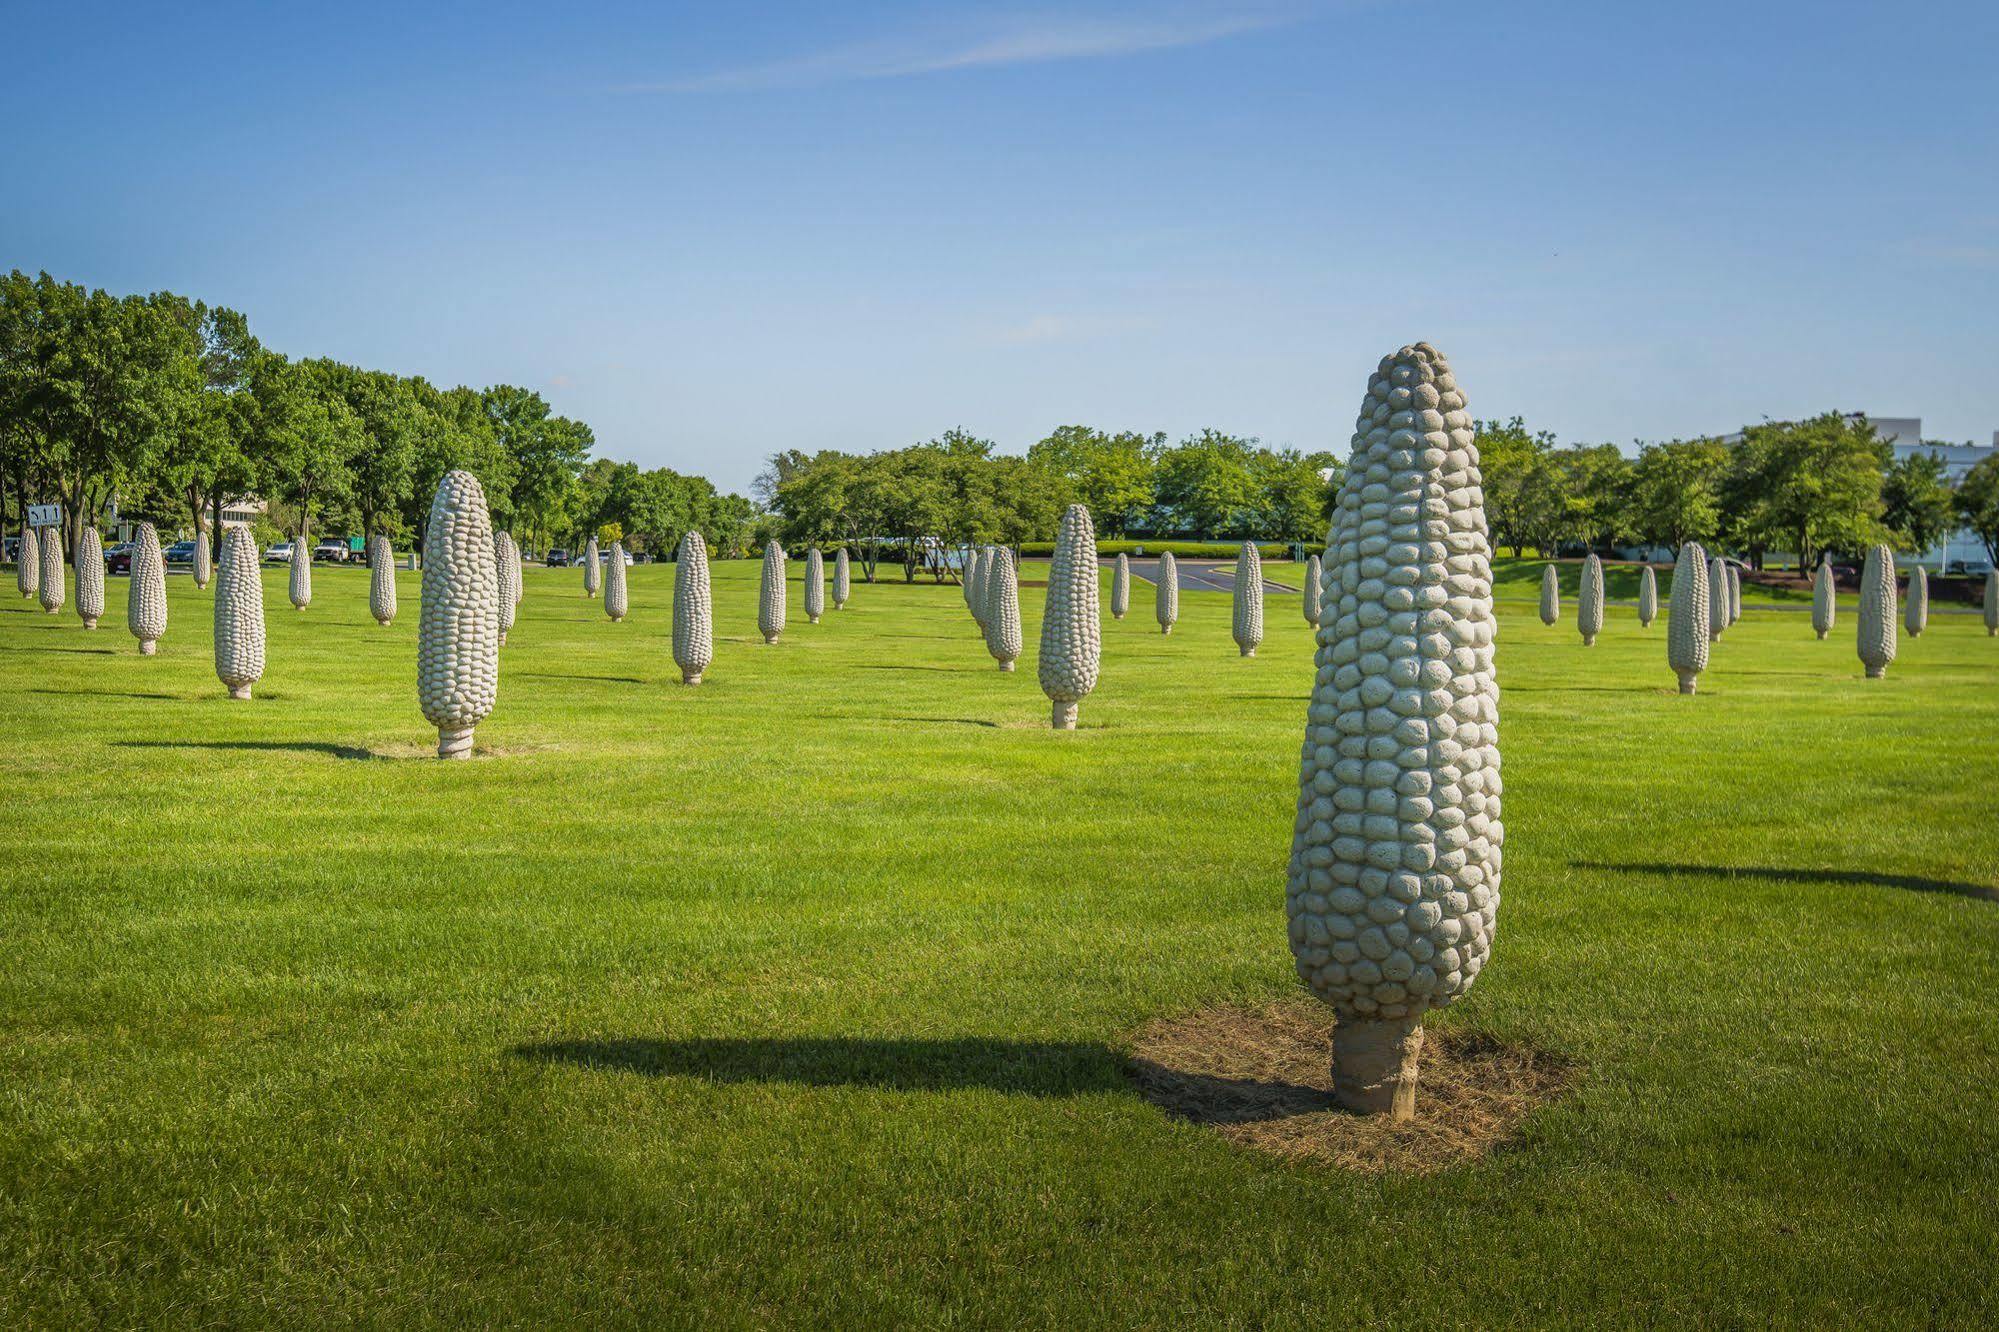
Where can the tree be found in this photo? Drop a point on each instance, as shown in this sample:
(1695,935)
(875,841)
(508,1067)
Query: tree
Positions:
(1675,494)
(1596,484)
(1111,474)
(1809,485)
(547,453)
(1978,503)
(1206,484)
(1292,495)
(1917,503)
(303,435)
(1519,498)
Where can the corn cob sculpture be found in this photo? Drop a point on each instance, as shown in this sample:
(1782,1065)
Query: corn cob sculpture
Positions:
(1648,598)
(146,599)
(520,570)
(967,579)
(1314,575)
(1822,599)
(239,614)
(1551,595)
(381,580)
(693,621)
(770,602)
(458,627)
(617,597)
(982,564)
(1917,621)
(28,563)
(842,579)
(1393,886)
(89,577)
(1003,609)
(50,584)
(1121,586)
(1247,623)
(1166,593)
(1687,635)
(1734,594)
(507,571)
(815,585)
(1876,638)
(1717,598)
(1992,603)
(301,583)
(204,556)
(1589,602)
(1071,637)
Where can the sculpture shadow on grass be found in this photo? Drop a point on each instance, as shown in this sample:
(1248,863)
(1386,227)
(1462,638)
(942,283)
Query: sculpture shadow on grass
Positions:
(104,693)
(94,651)
(1776,874)
(1021,1068)
(326,747)
(560,675)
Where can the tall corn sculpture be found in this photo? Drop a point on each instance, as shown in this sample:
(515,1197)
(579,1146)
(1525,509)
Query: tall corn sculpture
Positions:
(975,591)
(1314,575)
(1551,595)
(458,628)
(1247,621)
(381,580)
(1393,887)
(146,599)
(617,595)
(1166,594)
(50,584)
(1992,603)
(590,570)
(1121,586)
(1687,635)
(1071,637)
(1734,595)
(770,603)
(815,585)
(968,579)
(1876,638)
(1648,598)
(89,577)
(239,614)
(506,571)
(301,582)
(520,571)
(693,622)
(1003,609)
(28,563)
(1822,599)
(1717,598)
(843,583)
(1589,602)
(1917,621)
(204,555)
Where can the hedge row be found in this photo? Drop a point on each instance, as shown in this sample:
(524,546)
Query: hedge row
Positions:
(1182,550)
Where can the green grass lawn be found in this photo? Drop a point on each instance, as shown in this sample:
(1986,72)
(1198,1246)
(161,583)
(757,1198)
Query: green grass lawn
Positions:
(804,996)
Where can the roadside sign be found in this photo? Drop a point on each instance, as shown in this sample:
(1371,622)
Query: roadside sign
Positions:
(44,515)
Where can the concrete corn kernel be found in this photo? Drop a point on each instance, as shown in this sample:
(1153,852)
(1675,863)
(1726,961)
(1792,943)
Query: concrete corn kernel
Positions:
(1687,635)
(1589,601)
(617,593)
(1551,595)
(458,628)
(1393,888)
(693,615)
(381,580)
(770,601)
(842,579)
(1246,621)
(1917,621)
(1648,598)
(239,613)
(50,582)
(89,577)
(146,599)
(1823,602)
(1071,637)
(1166,593)
(1002,586)
(1314,576)
(301,580)
(815,585)
(1876,637)
(28,563)
(1121,586)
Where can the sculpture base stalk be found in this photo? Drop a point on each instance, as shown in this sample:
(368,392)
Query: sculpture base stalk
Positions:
(454,744)
(1876,672)
(90,622)
(1589,640)
(1006,665)
(386,623)
(148,646)
(1822,634)
(617,619)
(812,619)
(1064,716)
(239,691)
(1688,679)
(1165,628)
(1249,652)
(769,639)
(839,605)
(1374,1065)
(1117,615)
(690,677)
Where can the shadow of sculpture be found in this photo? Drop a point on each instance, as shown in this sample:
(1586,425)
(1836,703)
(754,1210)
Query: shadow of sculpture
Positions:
(1858,878)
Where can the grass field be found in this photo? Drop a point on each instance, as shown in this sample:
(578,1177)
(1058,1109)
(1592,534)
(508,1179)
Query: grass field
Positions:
(805,995)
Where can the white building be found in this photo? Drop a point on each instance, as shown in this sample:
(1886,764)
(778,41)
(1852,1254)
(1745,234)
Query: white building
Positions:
(1905,435)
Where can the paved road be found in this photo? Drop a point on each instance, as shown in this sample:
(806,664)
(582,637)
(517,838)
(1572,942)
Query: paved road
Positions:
(1204,576)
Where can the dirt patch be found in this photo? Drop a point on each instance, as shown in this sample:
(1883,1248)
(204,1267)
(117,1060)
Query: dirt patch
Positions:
(1264,1078)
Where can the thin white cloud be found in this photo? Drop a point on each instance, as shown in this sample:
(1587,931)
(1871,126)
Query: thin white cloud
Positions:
(1020,42)
(1046,328)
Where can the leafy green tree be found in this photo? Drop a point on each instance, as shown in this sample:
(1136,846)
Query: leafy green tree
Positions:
(1805,485)
(1111,474)
(547,454)
(1978,503)
(1292,495)
(1596,483)
(1207,484)
(303,436)
(1675,494)
(1522,498)
(1917,502)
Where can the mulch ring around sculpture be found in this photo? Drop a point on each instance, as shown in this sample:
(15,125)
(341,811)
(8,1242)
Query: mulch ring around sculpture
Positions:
(1263,1078)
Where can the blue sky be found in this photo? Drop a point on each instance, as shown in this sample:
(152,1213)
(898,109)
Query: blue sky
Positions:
(713,231)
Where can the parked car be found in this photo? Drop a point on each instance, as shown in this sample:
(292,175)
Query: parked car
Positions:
(557,559)
(604,556)
(278,552)
(118,558)
(1970,568)
(180,552)
(332,549)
